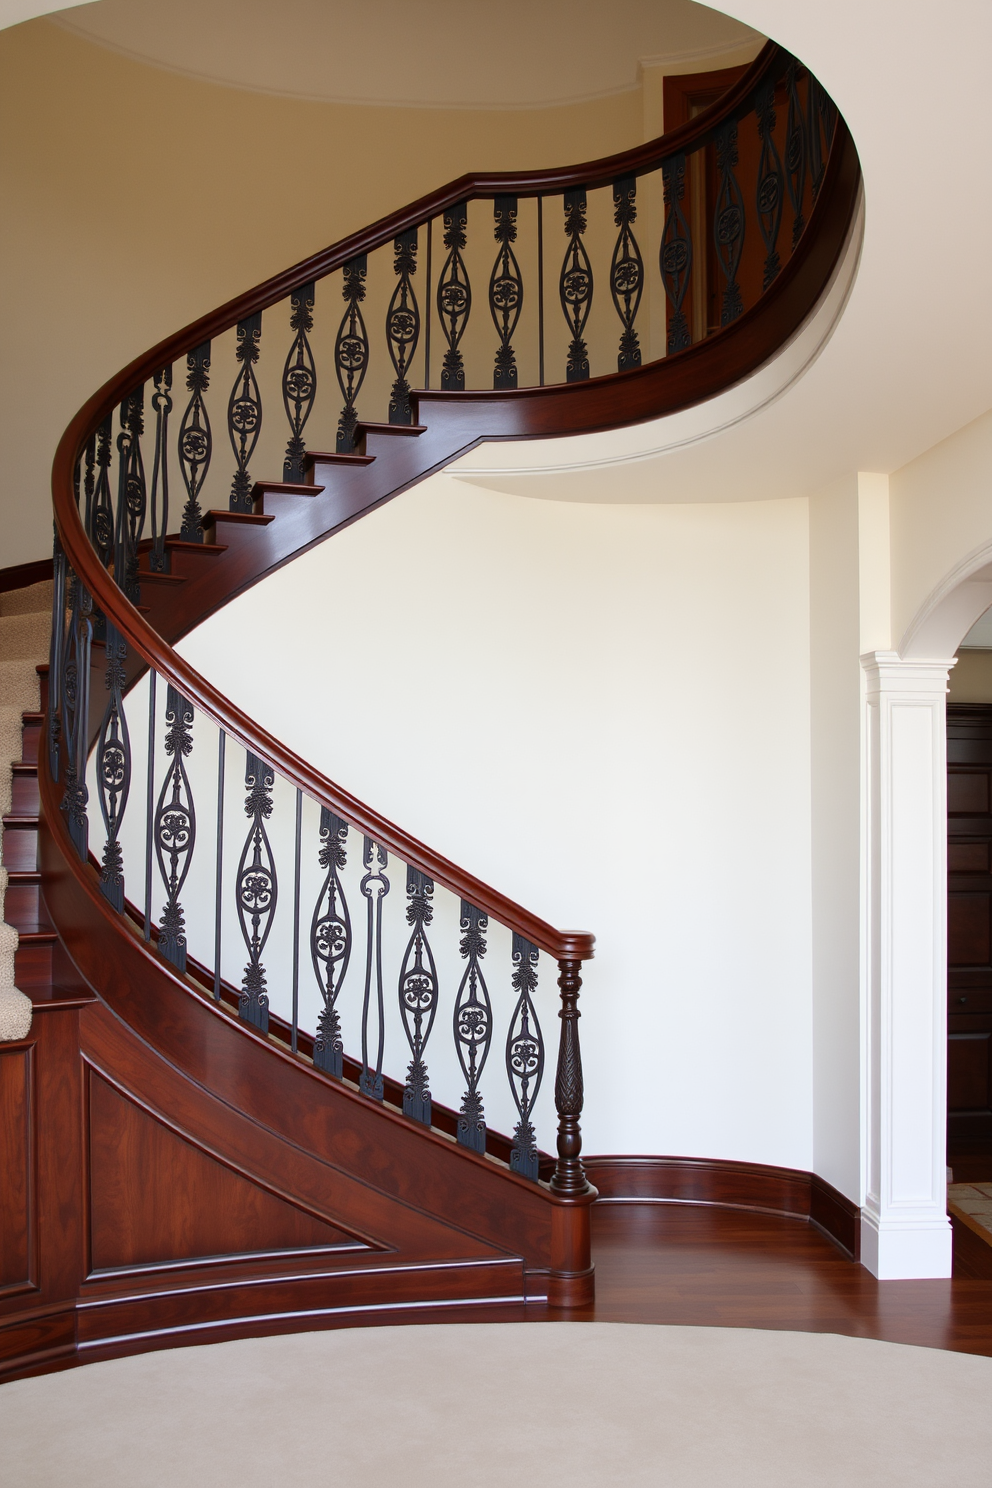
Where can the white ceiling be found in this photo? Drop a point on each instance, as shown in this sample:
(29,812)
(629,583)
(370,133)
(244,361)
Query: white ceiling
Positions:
(448,53)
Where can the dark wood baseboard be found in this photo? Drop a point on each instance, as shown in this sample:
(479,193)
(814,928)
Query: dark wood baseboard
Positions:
(762,1189)
(20,575)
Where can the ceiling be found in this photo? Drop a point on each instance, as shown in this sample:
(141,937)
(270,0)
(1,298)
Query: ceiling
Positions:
(426,53)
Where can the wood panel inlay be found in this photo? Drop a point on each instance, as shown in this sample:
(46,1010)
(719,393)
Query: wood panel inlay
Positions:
(157,1198)
(17,1167)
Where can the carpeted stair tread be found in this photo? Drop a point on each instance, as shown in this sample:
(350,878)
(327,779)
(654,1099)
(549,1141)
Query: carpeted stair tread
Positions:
(25,637)
(28,601)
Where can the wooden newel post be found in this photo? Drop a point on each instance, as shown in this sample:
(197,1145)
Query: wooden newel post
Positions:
(571,1283)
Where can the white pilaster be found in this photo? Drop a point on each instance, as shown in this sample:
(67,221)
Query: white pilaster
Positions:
(905,1231)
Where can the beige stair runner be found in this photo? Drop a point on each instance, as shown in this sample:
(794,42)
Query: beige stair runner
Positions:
(25,628)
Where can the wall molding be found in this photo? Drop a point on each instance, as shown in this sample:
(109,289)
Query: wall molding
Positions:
(791,1193)
(20,575)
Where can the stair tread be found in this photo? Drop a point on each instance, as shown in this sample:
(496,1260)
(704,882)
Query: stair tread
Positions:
(229,516)
(149,576)
(286,488)
(38,933)
(326,457)
(366,428)
(185,545)
(24,767)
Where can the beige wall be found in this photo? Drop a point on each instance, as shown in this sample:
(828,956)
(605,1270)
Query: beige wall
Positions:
(971,678)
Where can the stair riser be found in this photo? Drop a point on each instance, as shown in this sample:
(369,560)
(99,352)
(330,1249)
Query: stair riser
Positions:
(30,740)
(20,848)
(24,794)
(22,904)
(33,964)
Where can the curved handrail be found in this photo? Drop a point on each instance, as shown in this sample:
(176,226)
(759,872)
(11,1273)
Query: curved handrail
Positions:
(678,381)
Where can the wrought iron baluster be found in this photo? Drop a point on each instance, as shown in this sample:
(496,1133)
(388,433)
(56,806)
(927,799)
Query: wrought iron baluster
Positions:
(257,891)
(195,442)
(330,942)
(403,326)
(795,153)
(75,713)
(524,1057)
(351,350)
(815,119)
(297,868)
(728,222)
(427,304)
(506,290)
(56,655)
(375,887)
(454,297)
(102,509)
(540,291)
(175,827)
(219,864)
(162,404)
(769,196)
(626,272)
(89,481)
(131,494)
(299,381)
(113,770)
(150,800)
(575,285)
(675,257)
(473,1026)
(244,411)
(418,994)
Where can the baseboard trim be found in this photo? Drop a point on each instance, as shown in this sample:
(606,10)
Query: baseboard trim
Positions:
(20,575)
(790,1192)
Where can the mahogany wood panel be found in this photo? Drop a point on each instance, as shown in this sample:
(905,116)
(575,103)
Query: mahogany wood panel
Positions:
(969,930)
(20,575)
(18,1218)
(972,1247)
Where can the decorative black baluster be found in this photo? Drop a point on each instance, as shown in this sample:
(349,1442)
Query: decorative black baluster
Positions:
(524,1057)
(56,655)
(299,381)
(375,887)
(244,411)
(454,297)
(418,994)
(113,770)
(403,326)
(162,404)
(195,442)
(297,869)
(351,350)
(175,827)
(506,290)
(569,1176)
(795,153)
(257,891)
(626,272)
(219,863)
(473,1026)
(728,221)
(675,257)
(769,196)
(814,116)
(540,291)
(89,480)
(131,494)
(75,713)
(150,800)
(330,942)
(102,511)
(575,285)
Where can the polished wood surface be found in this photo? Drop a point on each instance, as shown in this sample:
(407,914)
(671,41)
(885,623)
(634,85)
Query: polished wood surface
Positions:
(20,575)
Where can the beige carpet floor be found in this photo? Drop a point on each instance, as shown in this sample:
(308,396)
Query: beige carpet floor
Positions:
(556,1405)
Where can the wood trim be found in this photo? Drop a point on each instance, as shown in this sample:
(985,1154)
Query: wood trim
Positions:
(20,575)
(756,1187)
(972,1246)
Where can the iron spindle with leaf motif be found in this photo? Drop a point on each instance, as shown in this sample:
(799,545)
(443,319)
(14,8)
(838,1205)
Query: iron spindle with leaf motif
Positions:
(56,653)
(89,481)
(524,1057)
(728,222)
(575,286)
(299,381)
(675,256)
(769,194)
(257,891)
(454,297)
(473,1026)
(330,942)
(175,827)
(162,406)
(403,326)
(795,153)
(351,350)
(102,509)
(75,708)
(418,994)
(626,272)
(506,290)
(374,887)
(131,494)
(195,441)
(113,770)
(244,411)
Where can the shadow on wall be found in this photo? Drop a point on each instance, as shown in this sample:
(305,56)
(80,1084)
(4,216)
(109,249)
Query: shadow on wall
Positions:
(971,679)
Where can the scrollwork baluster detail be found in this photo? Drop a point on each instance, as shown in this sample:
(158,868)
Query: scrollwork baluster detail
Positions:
(131,494)
(524,1057)
(175,827)
(728,222)
(75,713)
(795,153)
(113,770)
(101,530)
(418,989)
(473,1026)
(351,350)
(769,198)
(89,482)
(675,255)
(626,272)
(244,411)
(403,326)
(195,441)
(330,942)
(374,887)
(299,381)
(162,405)
(56,655)
(257,891)
(454,297)
(506,291)
(575,286)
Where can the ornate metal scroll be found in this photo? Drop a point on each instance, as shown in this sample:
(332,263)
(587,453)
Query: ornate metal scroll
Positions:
(675,256)
(56,654)
(101,530)
(454,297)
(113,770)
(728,222)
(375,887)
(795,153)
(506,290)
(74,709)
(626,272)
(769,196)
(175,827)
(330,942)
(524,1057)
(473,1026)
(418,994)
(131,495)
(89,481)
(403,326)
(351,350)
(162,405)
(244,411)
(299,381)
(575,286)
(257,891)
(814,118)
(195,441)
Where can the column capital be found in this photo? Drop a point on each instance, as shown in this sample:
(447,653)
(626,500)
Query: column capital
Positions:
(887,671)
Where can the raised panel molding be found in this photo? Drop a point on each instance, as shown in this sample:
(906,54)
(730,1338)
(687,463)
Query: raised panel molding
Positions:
(18,1191)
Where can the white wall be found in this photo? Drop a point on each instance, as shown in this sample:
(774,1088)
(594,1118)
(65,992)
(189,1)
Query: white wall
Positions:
(604,712)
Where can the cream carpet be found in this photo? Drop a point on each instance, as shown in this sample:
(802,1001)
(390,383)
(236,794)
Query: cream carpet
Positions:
(556,1405)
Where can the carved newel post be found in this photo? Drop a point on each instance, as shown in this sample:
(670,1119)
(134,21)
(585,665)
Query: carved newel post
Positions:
(571,1281)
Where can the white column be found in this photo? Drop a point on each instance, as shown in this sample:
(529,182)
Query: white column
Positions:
(905,1231)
